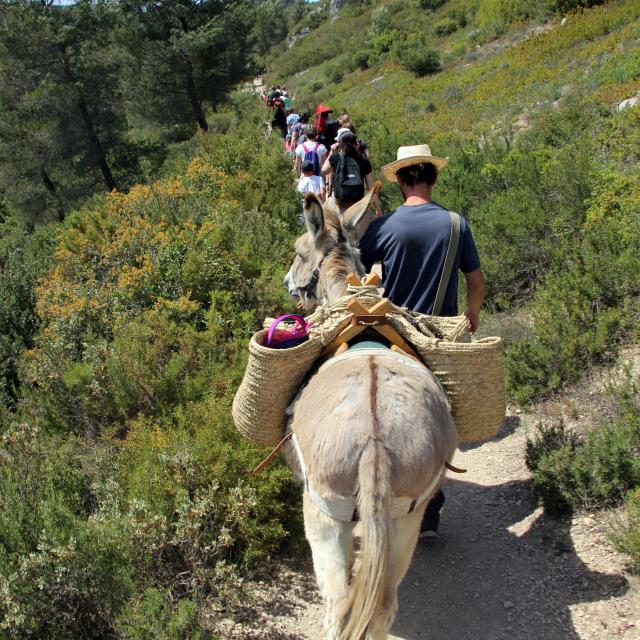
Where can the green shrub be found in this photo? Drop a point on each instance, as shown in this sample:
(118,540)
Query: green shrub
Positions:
(431,4)
(593,472)
(418,57)
(157,614)
(336,74)
(380,20)
(62,575)
(563,6)
(361,59)
(626,538)
(549,456)
(24,257)
(381,42)
(445,26)
(495,16)
(459,16)
(586,305)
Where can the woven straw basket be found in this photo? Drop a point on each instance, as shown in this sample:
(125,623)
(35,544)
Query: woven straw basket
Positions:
(472,372)
(270,381)
(473,375)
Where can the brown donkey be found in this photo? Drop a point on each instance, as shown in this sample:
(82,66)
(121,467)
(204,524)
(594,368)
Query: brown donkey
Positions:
(372,431)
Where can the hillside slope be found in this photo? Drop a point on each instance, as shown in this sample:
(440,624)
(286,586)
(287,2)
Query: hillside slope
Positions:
(541,160)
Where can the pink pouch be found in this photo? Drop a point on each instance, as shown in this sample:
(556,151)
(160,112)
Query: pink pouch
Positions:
(289,337)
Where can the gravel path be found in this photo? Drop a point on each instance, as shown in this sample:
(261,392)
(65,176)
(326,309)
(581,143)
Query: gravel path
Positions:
(500,568)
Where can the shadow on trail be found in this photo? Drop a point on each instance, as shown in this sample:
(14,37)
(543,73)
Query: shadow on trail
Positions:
(509,426)
(479,580)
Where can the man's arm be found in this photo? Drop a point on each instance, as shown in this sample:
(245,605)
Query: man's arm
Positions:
(322,157)
(475,297)
(327,172)
(298,165)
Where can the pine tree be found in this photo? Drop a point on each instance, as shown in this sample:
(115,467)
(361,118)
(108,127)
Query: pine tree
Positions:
(61,106)
(188,53)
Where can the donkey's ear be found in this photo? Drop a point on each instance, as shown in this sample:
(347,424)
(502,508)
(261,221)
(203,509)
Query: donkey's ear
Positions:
(354,220)
(313,215)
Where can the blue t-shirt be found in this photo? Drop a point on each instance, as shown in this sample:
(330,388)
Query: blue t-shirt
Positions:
(411,243)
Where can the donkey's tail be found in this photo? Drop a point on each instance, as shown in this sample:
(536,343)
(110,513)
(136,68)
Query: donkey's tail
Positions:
(367,590)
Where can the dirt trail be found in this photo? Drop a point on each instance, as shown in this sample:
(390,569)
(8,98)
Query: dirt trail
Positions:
(500,568)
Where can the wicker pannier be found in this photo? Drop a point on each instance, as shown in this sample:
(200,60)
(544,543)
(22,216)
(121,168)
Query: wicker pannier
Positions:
(471,371)
(473,375)
(271,380)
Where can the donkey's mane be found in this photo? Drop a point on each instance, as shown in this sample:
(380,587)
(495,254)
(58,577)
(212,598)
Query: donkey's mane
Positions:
(343,258)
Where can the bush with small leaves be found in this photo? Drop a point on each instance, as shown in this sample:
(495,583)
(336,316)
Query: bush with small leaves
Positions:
(626,536)
(445,26)
(418,57)
(431,4)
(592,472)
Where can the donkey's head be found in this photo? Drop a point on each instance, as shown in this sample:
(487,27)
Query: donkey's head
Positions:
(324,257)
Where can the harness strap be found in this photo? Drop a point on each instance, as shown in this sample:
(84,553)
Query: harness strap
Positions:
(313,283)
(274,453)
(450,258)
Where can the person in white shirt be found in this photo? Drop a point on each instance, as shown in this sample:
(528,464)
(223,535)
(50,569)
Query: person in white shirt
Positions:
(310,150)
(310,183)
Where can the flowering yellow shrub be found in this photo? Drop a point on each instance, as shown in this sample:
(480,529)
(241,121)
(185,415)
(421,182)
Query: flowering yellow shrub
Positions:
(133,277)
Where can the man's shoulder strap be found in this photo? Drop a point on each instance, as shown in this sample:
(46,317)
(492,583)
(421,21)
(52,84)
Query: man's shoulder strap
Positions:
(449,261)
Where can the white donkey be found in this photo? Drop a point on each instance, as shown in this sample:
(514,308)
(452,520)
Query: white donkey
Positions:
(372,432)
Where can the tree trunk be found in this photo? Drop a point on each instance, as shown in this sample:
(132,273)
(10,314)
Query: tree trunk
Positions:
(94,141)
(193,99)
(51,188)
(192,92)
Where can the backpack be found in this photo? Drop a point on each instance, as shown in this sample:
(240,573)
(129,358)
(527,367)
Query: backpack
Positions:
(331,131)
(347,180)
(312,156)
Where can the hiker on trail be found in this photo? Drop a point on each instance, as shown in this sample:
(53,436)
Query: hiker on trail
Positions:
(326,128)
(311,150)
(279,118)
(311,183)
(411,243)
(348,174)
(292,119)
(298,134)
(345,123)
(278,102)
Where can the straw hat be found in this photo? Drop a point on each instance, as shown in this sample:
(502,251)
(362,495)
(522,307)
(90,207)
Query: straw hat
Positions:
(408,156)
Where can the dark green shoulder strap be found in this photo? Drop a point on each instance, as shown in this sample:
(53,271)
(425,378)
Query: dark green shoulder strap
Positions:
(450,258)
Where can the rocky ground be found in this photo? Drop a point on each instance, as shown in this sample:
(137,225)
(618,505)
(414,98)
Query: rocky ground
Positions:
(500,568)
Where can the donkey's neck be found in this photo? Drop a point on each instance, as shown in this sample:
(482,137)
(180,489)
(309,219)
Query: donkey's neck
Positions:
(343,260)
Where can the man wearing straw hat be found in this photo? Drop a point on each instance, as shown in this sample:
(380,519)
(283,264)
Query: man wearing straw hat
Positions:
(421,246)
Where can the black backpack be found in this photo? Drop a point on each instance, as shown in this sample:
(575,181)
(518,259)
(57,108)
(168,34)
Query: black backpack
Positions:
(347,179)
(330,132)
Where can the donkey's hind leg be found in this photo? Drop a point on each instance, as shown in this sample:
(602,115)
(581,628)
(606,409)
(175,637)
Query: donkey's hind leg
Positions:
(404,535)
(332,550)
